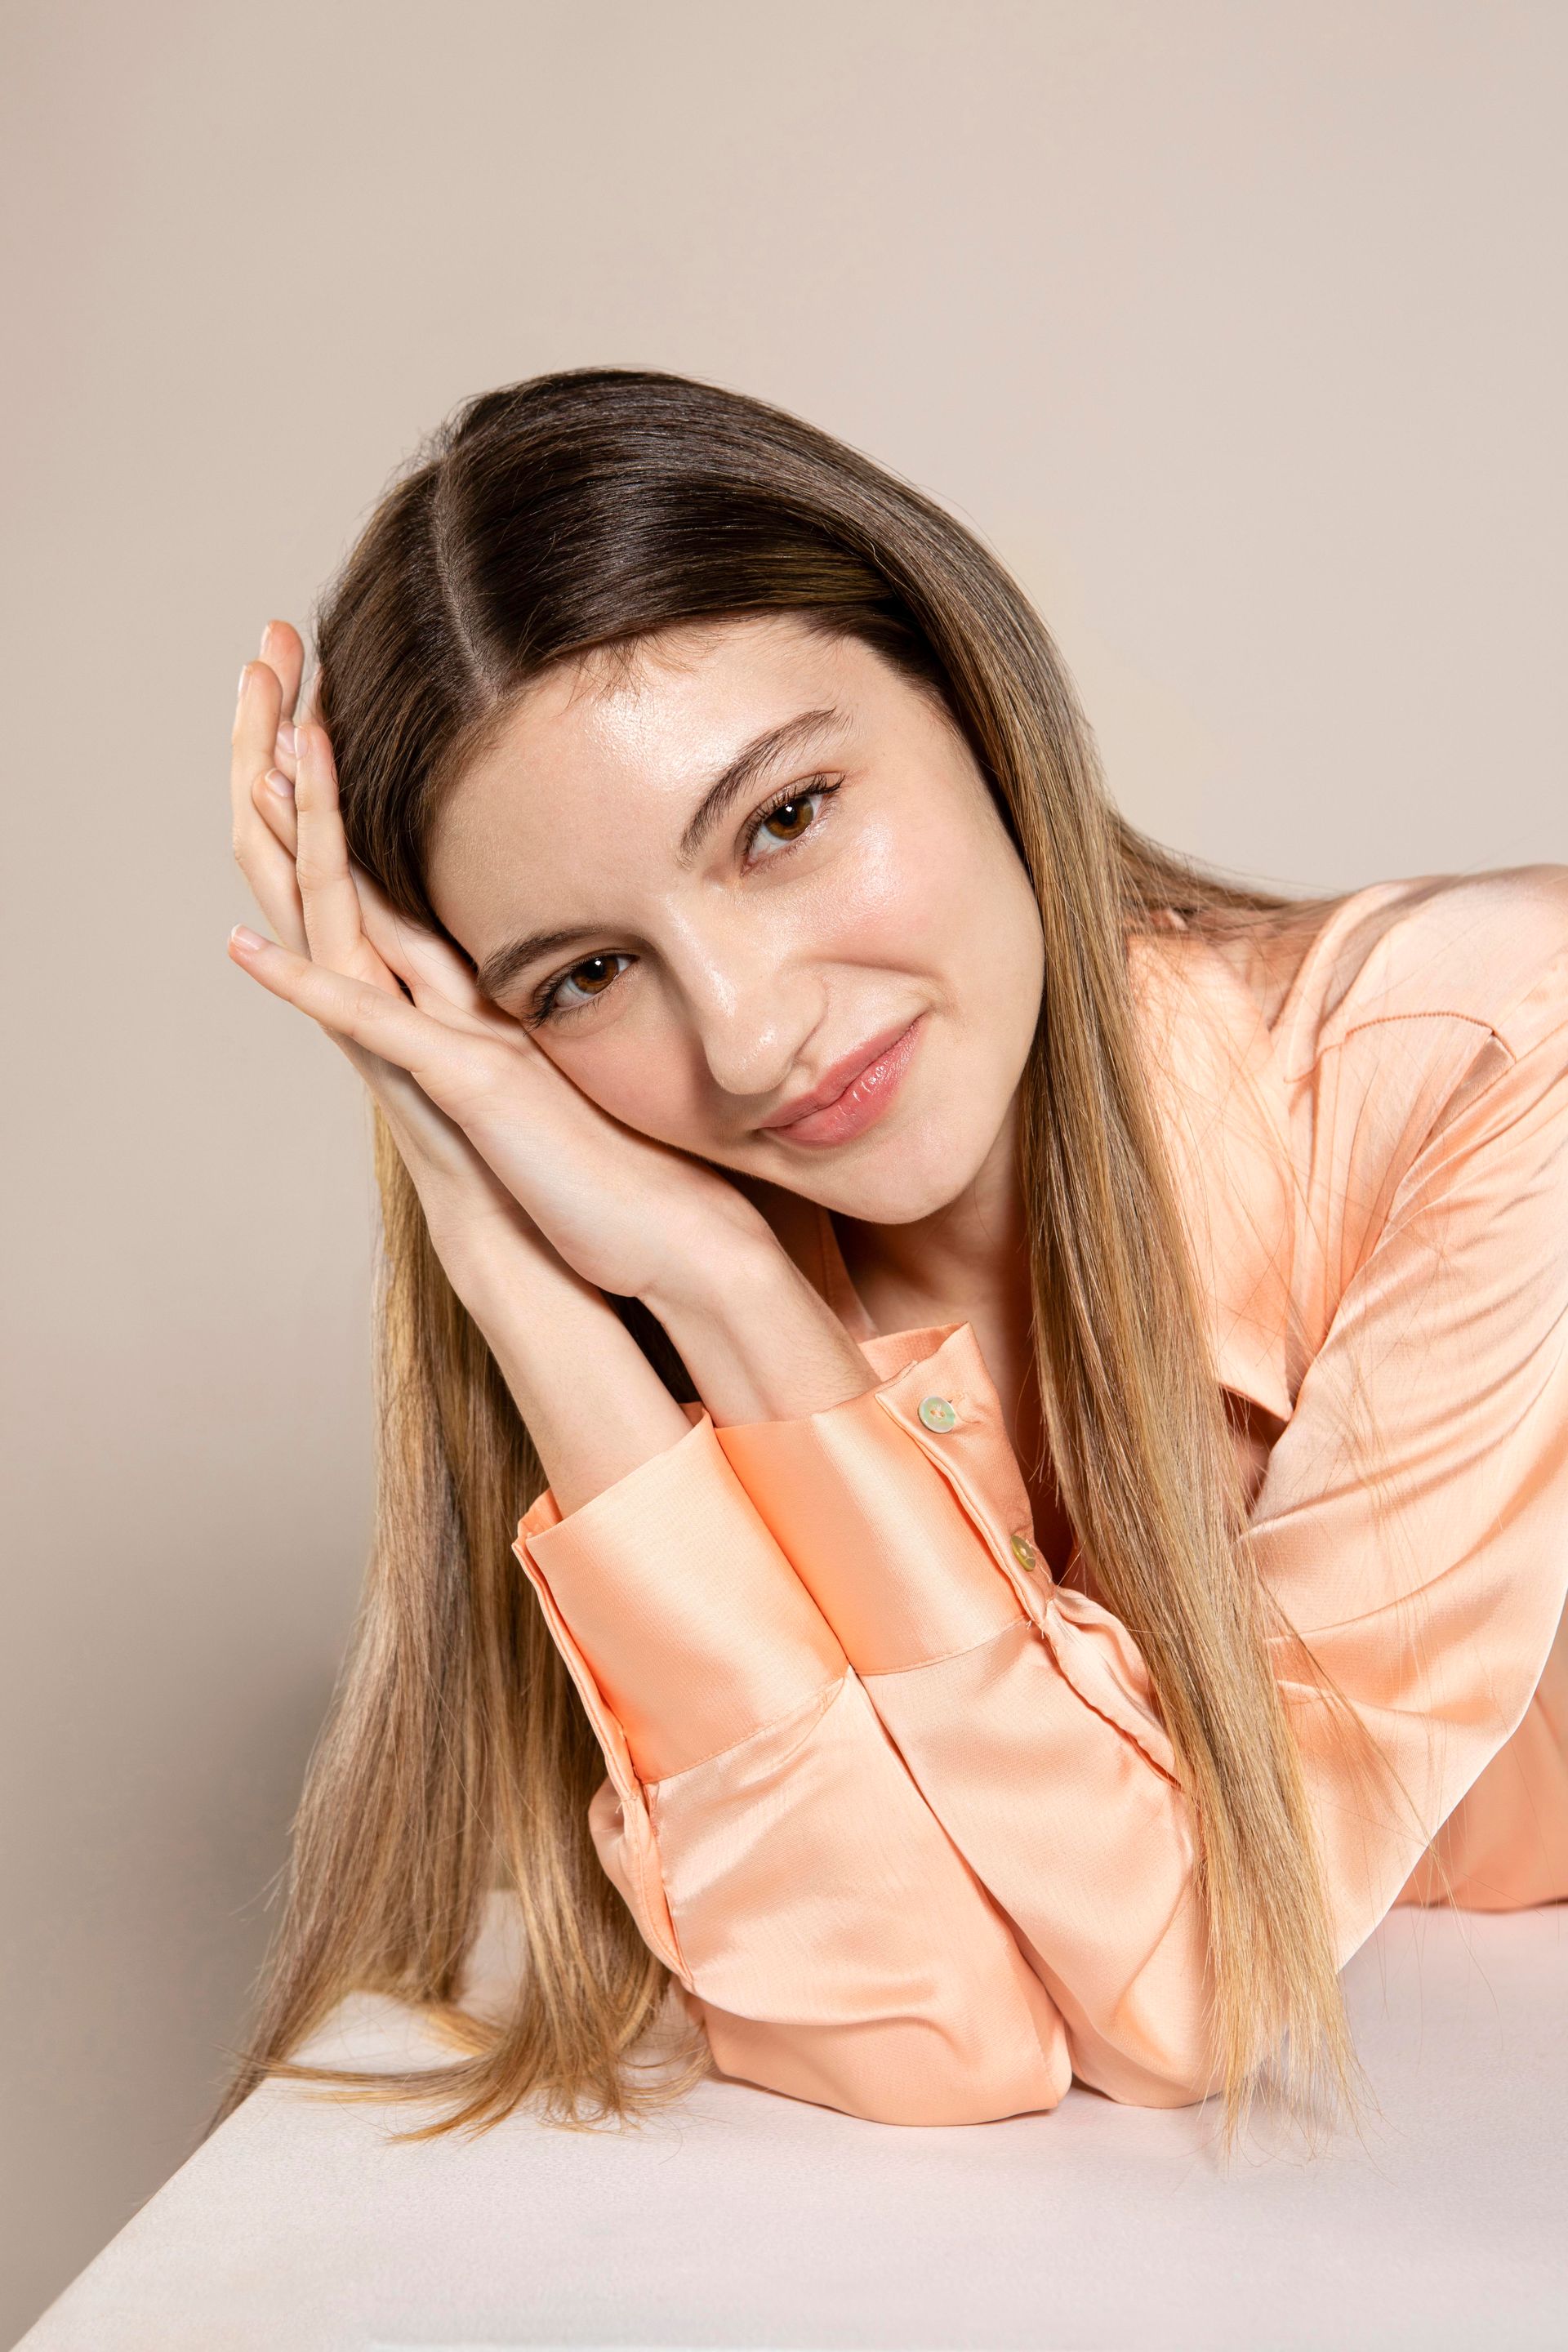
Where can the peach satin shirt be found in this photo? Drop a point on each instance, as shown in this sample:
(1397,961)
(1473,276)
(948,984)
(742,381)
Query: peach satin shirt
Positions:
(897,1808)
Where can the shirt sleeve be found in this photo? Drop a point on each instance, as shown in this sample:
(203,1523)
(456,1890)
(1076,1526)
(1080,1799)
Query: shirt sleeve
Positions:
(1022,1707)
(758,1821)
(1410,1524)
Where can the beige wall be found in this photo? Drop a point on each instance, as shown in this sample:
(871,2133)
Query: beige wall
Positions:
(1236,328)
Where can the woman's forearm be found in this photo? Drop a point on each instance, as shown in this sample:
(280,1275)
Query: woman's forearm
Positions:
(593,1404)
(758,1340)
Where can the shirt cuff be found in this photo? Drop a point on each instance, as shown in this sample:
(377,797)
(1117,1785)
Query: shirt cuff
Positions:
(902,1511)
(678,1599)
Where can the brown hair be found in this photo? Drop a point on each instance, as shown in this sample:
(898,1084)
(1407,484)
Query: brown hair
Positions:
(587,509)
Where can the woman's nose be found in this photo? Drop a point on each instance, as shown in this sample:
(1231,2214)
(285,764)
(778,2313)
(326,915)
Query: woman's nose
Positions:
(753,1013)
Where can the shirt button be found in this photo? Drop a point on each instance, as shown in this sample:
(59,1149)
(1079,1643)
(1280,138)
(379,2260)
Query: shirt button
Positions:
(1025,1554)
(937,1413)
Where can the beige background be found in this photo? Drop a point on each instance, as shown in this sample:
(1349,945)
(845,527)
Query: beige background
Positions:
(1236,328)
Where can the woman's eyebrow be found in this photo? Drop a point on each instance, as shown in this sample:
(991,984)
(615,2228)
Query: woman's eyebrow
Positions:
(808,725)
(499,970)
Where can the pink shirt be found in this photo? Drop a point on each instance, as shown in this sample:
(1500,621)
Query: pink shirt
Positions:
(897,1808)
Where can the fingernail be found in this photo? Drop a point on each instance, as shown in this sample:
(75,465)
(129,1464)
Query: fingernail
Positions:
(266,639)
(243,937)
(286,738)
(279,784)
(244,681)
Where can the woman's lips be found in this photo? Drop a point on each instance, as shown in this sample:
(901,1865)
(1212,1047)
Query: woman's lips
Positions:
(864,1099)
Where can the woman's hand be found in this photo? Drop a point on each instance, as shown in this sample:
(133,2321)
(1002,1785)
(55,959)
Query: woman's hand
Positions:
(464,1203)
(485,1123)
(537,1201)
(535,1313)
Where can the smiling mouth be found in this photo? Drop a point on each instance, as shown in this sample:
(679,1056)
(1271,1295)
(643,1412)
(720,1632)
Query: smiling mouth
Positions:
(861,1102)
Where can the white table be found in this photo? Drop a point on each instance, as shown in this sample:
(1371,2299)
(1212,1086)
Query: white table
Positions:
(748,2219)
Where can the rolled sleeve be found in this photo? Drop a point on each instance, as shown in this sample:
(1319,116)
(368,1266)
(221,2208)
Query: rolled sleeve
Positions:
(1023,1708)
(760,1822)
(893,1544)
(694,1626)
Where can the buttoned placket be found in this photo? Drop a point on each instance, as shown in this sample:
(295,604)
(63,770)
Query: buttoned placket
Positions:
(943,1424)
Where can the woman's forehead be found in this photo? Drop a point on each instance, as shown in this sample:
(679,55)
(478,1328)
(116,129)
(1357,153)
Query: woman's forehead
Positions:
(660,715)
(681,669)
(595,775)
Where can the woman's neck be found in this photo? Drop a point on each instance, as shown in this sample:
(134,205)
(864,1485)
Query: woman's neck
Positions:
(967,1262)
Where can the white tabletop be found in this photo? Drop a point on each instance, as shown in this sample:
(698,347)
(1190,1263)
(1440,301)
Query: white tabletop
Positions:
(744,2219)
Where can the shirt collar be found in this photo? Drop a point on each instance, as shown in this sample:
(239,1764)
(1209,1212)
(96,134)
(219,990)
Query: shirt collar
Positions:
(1221,1102)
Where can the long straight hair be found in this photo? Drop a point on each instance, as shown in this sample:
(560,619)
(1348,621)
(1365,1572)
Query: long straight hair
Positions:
(589,509)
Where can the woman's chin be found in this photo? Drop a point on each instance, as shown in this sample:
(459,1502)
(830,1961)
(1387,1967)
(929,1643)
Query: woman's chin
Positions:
(895,1186)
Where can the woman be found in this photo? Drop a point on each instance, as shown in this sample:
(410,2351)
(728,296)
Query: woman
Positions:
(1034,1380)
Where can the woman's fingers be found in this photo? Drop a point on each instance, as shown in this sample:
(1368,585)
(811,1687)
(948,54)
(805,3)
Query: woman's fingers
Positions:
(327,892)
(255,713)
(431,965)
(283,649)
(273,796)
(266,865)
(275,802)
(305,899)
(453,1070)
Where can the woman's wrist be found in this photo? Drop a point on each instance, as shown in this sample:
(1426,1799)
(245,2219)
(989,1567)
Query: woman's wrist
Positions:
(758,1340)
(760,1343)
(593,1404)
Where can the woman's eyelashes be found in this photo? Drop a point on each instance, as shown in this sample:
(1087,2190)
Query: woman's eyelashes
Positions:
(550,1001)
(785,804)
(548,1004)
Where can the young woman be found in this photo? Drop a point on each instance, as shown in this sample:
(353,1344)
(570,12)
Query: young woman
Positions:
(975,1423)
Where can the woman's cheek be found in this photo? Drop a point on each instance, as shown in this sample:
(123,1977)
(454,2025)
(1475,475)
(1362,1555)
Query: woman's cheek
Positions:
(652,1088)
(895,894)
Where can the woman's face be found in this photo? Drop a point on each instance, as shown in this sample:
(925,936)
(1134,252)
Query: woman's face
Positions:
(720,879)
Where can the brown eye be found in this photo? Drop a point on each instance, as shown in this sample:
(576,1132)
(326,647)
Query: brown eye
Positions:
(593,975)
(788,817)
(577,989)
(791,819)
